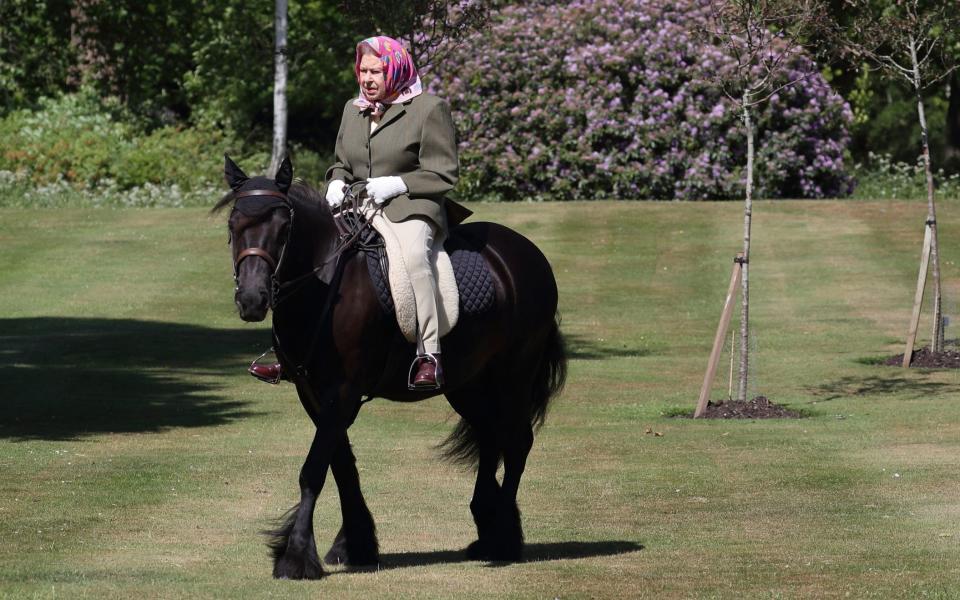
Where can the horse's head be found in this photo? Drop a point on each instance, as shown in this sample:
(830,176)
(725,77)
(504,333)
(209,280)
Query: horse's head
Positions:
(259,226)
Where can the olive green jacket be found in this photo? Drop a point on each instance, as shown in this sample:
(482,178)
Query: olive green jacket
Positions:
(416,141)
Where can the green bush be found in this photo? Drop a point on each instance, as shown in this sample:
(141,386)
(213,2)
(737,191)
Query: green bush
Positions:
(188,157)
(71,137)
(74,150)
(17,193)
(883,177)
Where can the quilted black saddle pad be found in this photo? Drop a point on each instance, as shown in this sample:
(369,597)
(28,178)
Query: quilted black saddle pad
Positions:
(474,282)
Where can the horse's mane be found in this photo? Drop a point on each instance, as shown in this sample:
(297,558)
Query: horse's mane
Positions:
(299,192)
(227,199)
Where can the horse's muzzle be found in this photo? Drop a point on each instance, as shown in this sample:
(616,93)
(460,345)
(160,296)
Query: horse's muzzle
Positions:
(252,304)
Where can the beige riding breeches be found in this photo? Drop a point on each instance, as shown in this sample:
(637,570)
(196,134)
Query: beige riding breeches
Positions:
(416,236)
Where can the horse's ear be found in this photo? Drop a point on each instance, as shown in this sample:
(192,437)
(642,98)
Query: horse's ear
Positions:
(233,174)
(284,175)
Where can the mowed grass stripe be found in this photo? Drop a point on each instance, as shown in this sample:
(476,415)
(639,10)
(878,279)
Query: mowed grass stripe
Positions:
(202,457)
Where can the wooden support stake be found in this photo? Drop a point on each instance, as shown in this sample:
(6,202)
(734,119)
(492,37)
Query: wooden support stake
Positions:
(733,347)
(720,337)
(918,298)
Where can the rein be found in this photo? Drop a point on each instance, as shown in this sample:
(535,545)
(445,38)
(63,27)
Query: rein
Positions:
(350,230)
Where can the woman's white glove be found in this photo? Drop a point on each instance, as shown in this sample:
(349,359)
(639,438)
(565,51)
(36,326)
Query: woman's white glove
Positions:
(335,192)
(381,189)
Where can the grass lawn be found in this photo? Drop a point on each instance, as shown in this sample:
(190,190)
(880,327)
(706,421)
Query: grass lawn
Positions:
(138,459)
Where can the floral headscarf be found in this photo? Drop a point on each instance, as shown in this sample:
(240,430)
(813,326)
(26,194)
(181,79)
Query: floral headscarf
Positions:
(399,73)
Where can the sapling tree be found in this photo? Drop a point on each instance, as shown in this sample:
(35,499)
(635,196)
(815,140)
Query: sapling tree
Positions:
(764,38)
(904,39)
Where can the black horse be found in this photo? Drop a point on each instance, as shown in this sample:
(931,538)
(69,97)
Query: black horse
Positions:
(337,345)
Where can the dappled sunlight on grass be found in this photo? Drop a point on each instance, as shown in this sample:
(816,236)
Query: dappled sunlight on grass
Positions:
(139,456)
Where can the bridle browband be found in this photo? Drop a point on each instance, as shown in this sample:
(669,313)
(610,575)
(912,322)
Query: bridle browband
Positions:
(248,193)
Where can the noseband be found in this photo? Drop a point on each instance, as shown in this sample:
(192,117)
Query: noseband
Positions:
(255,252)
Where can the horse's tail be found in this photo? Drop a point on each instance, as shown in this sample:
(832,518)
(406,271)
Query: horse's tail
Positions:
(551,374)
(463,444)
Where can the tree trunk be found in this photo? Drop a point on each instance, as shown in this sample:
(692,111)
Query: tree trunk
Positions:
(91,63)
(279,89)
(745,272)
(936,341)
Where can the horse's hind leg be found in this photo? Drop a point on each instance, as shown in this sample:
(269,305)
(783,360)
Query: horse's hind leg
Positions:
(515,443)
(292,545)
(473,442)
(356,543)
(486,494)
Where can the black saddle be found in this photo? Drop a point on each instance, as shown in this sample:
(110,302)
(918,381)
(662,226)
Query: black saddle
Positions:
(474,282)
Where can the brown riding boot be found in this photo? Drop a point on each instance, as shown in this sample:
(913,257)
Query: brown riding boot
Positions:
(429,374)
(269,370)
(270,373)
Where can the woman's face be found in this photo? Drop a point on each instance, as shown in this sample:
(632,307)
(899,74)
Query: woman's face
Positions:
(371,78)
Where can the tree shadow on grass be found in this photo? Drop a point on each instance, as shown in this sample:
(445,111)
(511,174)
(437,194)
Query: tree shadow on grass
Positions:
(531,553)
(580,347)
(847,387)
(66,378)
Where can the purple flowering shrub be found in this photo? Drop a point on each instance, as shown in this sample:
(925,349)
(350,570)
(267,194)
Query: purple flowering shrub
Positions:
(605,99)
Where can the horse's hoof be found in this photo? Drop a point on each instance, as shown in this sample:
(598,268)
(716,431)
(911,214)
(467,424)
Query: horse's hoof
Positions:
(478,550)
(341,553)
(507,554)
(337,555)
(286,568)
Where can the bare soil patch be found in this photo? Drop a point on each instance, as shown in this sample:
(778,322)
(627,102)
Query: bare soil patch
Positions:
(758,408)
(924,359)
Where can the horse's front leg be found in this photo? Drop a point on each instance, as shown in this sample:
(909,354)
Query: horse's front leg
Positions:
(356,543)
(293,546)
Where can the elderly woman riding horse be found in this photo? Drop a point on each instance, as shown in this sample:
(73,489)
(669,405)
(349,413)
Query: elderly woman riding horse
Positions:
(402,141)
(335,342)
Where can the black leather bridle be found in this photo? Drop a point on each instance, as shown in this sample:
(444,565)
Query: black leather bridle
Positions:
(349,231)
(275,264)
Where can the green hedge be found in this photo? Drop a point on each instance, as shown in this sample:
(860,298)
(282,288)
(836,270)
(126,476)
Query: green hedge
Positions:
(882,177)
(77,139)
(75,150)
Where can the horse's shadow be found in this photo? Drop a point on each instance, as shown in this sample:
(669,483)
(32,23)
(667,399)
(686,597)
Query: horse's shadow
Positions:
(531,552)
(66,378)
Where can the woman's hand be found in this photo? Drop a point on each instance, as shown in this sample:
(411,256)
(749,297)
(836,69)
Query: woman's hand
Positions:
(335,191)
(381,189)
